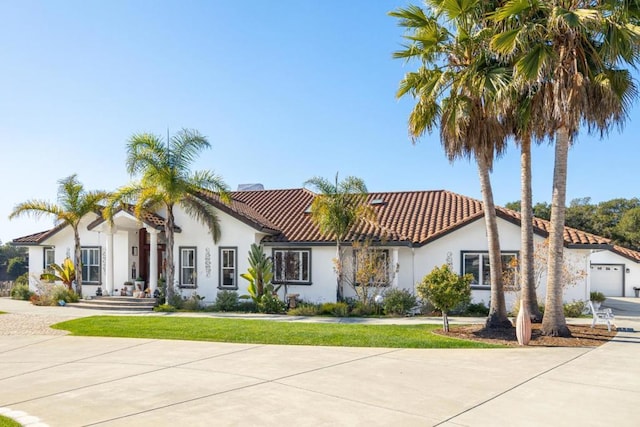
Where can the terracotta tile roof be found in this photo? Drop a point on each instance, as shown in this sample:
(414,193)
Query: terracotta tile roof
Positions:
(241,210)
(627,253)
(410,217)
(36,238)
(542,227)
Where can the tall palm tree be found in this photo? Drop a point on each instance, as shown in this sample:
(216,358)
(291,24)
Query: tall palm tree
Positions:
(74,202)
(166,181)
(456,87)
(521,111)
(336,210)
(575,51)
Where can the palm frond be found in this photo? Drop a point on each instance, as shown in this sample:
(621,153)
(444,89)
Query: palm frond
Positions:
(204,213)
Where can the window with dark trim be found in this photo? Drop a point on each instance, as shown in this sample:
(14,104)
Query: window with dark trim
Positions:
(292,266)
(48,257)
(91,256)
(372,266)
(188,267)
(477,264)
(228,269)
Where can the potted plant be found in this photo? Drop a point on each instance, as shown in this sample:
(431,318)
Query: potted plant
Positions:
(128,285)
(597,298)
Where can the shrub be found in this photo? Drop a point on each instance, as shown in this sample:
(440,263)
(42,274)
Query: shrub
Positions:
(21,292)
(305,309)
(574,309)
(597,297)
(247,307)
(476,310)
(165,308)
(362,309)
(63,293)
(226,301)
(398,301)
(193,303)
(338,309)
(22,280)
(271,304)
(176,301)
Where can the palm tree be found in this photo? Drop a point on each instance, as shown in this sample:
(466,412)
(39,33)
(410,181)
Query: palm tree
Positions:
(336,210)
(74,202)
(572,50)
(521,110)
(456,88)
(166,181)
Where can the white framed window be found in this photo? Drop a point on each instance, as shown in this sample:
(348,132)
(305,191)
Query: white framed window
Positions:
(90,257)
(477,264)
(49,257)
(188,267)
(292,265)
(228,271)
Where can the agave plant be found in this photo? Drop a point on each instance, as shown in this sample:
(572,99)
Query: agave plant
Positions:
(65,273)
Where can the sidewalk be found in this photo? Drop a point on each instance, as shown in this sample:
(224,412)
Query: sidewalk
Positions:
(80,381)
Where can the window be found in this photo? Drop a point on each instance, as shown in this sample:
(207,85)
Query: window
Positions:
(49,257)
(187,267)
(371,267)
(90,257)
(292,265)
(477,264)
(228,277)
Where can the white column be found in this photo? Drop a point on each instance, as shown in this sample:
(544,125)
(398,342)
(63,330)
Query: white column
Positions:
(109,270)
(153,260)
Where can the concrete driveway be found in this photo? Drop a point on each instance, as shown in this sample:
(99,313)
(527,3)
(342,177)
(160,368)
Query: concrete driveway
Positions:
(80,381)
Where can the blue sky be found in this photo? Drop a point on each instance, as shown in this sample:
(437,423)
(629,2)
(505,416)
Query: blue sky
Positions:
(284,90)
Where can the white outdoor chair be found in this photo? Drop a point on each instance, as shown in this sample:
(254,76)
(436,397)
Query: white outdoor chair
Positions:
(602,316)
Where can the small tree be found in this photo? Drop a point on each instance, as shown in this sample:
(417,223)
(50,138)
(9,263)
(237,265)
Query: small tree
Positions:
(445,290)
(571,274)
(370,273)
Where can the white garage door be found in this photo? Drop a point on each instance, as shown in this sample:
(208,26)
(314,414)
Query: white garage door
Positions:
(607,278)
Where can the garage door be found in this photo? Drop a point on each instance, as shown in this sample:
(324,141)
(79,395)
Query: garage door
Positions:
(608,279)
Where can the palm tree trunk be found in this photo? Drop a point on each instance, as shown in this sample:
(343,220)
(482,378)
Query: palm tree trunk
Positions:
(497,311)
(171,268)
(339,290)
(554,323)
(527,281)
(78,261)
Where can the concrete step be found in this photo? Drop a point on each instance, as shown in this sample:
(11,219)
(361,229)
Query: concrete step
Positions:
(117,303)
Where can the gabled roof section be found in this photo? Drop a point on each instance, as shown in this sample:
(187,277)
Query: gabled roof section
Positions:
(627,253)
(572,236)
(151,219)
(242,211)
(37,238)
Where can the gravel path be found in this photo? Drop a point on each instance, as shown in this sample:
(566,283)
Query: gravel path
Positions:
(29,324)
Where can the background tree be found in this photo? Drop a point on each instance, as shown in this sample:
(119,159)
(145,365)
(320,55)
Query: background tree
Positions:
(337,210)
(445,290)
(74,203)
(571,51)
(456,88)
(166,181)
(14,261)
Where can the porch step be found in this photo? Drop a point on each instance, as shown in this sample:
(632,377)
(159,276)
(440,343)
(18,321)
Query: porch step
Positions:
(117,303)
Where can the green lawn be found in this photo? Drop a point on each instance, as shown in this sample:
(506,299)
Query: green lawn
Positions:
(8,422)
(265,332)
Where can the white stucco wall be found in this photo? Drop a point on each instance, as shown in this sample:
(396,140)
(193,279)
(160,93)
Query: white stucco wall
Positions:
(631,279)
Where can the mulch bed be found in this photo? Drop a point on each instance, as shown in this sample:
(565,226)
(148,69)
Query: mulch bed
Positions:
(582,335)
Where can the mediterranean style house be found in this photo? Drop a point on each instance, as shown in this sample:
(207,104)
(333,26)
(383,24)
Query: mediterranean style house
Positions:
(416,230)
